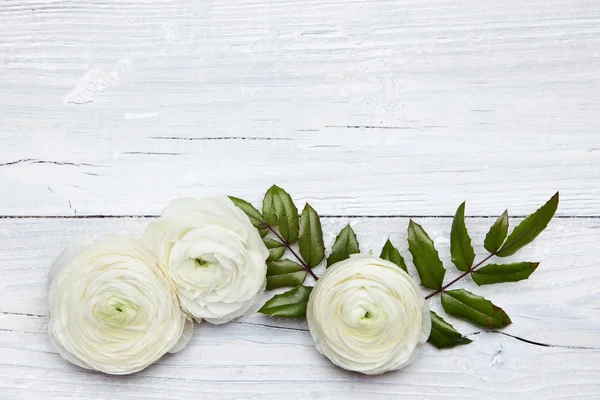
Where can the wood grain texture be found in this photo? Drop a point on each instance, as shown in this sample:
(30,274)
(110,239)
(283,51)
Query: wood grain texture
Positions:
(255,357)
(384,107)
(373,107)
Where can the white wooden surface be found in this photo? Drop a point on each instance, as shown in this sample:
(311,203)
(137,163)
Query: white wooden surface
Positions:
(364,108)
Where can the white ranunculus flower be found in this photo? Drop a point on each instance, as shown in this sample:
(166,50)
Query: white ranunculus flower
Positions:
(367,315)
(111,307)
(214,256)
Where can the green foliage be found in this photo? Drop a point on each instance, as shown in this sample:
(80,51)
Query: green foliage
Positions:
(529,228)
(425,257)
(390,253)
(460,242)
(310,241)
(279,209)
(291,304)
(443,335)
(276,249)
(498,273)
(284,273)
(345,244)
(497,233)
(475,309)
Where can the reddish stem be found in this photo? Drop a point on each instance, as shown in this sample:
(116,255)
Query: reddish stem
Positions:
(287,245)
(470,270)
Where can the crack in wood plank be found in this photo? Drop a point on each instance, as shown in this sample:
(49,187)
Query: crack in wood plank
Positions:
(218,138)
(37,161)
(286,328)
(534,343)
(149,153)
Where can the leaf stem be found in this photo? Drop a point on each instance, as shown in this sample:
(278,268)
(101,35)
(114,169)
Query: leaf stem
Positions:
(287,245)
(470,270)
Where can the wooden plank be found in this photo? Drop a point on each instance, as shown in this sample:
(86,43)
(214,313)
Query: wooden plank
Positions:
(261,358)
(372,107)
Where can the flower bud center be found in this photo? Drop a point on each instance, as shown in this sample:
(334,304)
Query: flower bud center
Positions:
(200,263)
(118,311)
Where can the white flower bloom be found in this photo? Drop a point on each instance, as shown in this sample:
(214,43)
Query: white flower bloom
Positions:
(214,256)
(111,307)
(367,315)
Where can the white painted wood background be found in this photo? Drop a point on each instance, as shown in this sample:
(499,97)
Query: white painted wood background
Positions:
(109,109)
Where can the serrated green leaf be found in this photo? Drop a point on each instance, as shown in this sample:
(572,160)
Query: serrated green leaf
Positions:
(476,309)
(460,242)
(276,249)
(390,253)
(498,273)
(443,335)
(287,215)
(529,228)
(497,233)
(282,267)
(345,244)
(284,273)
(253,214)
(425,257)
(291,304)
(278,207)
(310,240)
(268,208)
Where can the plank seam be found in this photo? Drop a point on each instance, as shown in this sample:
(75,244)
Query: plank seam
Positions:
(524,340)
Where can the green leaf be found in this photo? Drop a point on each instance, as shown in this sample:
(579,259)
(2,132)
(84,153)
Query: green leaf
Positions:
(390,253)
(291,304)
(253,214)
(498,273)
(276,249)
(425,257)
(345,244)
(474,308)
(529,228)
(443,335)
(279,208)
(268,208)
(497,233)
(263,232)
(310,240)
(460,243)
(284,273)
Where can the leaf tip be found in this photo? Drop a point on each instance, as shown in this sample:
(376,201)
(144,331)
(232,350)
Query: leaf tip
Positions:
(460,211)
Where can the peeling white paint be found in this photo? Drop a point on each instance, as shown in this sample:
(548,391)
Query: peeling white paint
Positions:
(497,359)
(92,83)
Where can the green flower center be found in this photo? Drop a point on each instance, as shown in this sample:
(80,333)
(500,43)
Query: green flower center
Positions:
(117,312)
(200,263)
